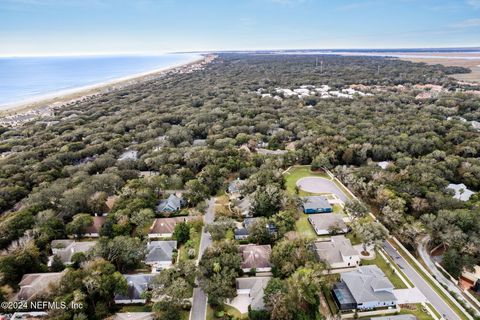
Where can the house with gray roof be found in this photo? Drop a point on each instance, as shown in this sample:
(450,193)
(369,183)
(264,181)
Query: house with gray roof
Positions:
(160,254)
(35,285)
(366,288)
(171,204)
(250,293)
(338,253)
(66,248)
(138,284)
(328,223)
(316,204)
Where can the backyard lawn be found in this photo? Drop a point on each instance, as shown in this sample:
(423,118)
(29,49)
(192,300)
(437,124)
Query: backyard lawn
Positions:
(304,227)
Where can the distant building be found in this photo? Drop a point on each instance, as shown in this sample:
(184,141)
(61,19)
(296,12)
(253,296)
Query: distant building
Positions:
(93,231)
(164,227)
(255,257)
(365,288)
(65,249)
(337,253)
(35,285)
(241,233)
(251,290)
(244,206)
(138,284)
(327,223)
(160,254)
(316,204)
(172,204)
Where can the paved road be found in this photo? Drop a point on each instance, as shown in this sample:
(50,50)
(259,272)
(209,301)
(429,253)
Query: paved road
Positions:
(422,249)
(199,301)
(321,185)
(437,301)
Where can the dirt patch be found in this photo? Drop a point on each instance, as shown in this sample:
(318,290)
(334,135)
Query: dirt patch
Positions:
(473,63)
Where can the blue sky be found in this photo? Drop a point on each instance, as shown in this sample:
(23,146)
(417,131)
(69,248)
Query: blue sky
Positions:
(44,27)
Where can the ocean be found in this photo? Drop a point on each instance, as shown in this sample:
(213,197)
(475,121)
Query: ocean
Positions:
(28,78)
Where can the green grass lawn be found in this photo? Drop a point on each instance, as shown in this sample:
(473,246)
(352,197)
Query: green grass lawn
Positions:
(304,228)
(227,310)
(430,282)
(136,308)
(391,275)
(183,252)
(417,310)
(298,172)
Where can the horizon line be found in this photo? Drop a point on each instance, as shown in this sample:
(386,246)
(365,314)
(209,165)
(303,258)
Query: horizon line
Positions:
(157,53)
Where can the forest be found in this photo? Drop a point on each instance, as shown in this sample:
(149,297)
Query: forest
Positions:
(191,130)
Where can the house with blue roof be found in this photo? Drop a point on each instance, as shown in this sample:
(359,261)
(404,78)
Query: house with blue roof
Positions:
(316,204)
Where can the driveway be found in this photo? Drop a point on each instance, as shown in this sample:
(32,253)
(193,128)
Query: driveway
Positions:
(320,185)
(432,296)
(241,303)
(199,301)
(412,295)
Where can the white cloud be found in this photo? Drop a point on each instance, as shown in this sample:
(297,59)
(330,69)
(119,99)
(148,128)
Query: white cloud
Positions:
(474,3)
(469,23)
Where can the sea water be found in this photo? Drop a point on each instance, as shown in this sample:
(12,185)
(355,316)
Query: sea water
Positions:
(27,78)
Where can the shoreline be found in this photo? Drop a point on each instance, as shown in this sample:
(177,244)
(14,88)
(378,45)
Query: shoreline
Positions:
(46,104)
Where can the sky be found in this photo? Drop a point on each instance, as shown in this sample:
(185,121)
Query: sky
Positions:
(66,27)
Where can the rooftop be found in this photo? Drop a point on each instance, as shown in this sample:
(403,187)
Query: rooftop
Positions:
(334,250)
(368,283)
(314,202)
(166,225)
(255,256)
(160,251)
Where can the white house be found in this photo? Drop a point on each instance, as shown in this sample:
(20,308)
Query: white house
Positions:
(337,253)
(366,288)
(328,223)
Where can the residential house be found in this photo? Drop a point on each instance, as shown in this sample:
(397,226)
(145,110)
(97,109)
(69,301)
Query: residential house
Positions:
(316,204)
(160,254)
(365,288)
(138,284)
(337,253)
(35,285)
(66,248)
(243,232)
(243,206)
(470,279)
(250,293)
(395,317)
(93,231)
(328,223)
(164,227)
(29,315)
(255,257)
(134,316)
(234,188)
(171,204)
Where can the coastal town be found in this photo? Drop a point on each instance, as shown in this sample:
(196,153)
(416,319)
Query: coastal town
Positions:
(192,214)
